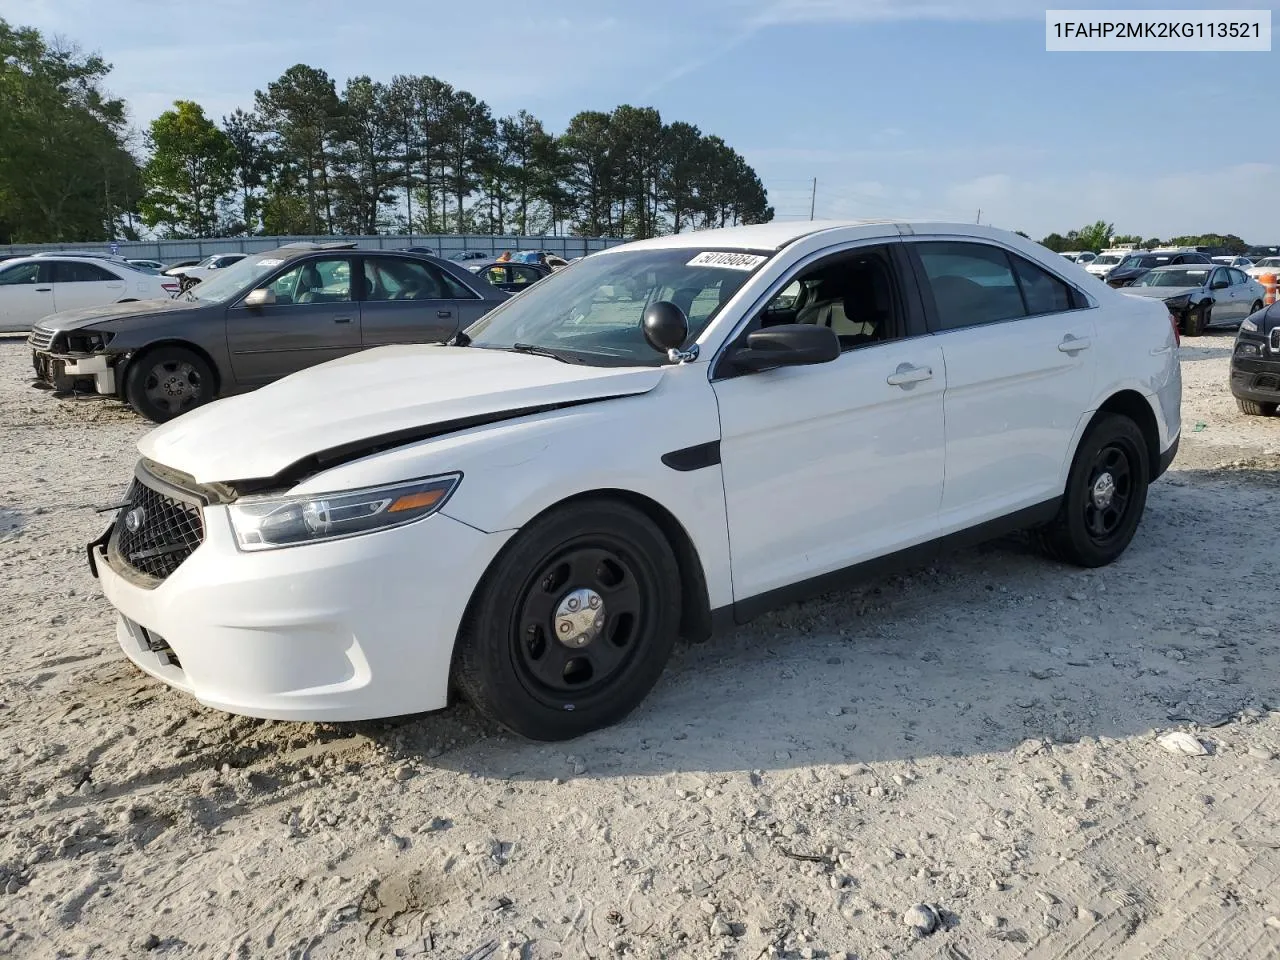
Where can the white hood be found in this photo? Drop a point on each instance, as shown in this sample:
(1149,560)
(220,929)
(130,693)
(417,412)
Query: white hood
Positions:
(368,394)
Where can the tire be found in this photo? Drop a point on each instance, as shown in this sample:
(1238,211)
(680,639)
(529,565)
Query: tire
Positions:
(168,381)
(1198,320)
(1255,409)
(510,664)
(1256,307)
(1090,531)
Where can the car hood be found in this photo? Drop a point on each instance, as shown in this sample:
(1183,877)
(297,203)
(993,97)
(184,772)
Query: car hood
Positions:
(85,316)
(1161,293)
(387,392)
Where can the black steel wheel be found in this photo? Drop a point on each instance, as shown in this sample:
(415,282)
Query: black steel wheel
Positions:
(168,381)
(574,622)
(1105,496)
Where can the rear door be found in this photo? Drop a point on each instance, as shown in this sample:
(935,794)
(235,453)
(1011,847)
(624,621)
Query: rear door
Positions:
(315,318)
(1241,293)
(412,301)
(79,283)
(26,294)
(1017,342)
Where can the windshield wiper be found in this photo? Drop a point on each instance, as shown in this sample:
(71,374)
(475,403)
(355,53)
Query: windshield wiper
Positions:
(537,351)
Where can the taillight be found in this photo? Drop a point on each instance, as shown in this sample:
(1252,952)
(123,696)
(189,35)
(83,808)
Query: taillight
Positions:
(1177,336)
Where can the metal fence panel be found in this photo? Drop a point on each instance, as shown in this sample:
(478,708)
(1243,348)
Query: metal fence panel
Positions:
(444,245)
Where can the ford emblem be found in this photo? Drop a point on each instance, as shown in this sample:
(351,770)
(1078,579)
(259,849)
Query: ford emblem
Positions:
(134,519)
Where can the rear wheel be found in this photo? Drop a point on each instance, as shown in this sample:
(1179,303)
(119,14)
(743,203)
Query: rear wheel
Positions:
(1255,409)
(168,381)
(573,624)
(1105,496)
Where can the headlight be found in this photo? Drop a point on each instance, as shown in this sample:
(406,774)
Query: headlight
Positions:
(290,521)
(87,341)
(1178,302)
(1246,349)
(1249,326)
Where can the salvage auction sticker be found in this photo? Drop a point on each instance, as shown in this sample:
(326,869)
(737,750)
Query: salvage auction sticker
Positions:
(730,261)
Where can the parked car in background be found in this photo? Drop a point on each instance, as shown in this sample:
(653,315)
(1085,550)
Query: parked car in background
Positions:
(508,275)
(1255,363)
(1264,266)
(151,266)
(1134,266)
(1242,263)
(1079,256)
(534,515)
(179,264)
(205,267)
(1201,296)
(34,287)
(261,319)
(466,255)
(1107,261)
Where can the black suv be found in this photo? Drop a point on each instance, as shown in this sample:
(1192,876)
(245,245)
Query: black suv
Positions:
(1255,363)
(1132,267)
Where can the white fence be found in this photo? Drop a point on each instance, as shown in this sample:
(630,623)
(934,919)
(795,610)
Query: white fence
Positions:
(443,245)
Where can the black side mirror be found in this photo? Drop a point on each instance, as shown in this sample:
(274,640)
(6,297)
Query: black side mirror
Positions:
(787,345)
(1219,285)
(665,326)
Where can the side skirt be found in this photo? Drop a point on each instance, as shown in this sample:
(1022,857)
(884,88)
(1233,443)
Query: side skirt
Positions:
(727,617)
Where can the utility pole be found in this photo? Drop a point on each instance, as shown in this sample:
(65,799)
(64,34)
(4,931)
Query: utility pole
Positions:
(813,197)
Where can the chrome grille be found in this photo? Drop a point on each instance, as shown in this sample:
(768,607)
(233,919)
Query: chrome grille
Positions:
(154,532)
(1275,340)
(41,339)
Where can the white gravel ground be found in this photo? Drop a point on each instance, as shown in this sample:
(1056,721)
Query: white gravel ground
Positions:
(976,741)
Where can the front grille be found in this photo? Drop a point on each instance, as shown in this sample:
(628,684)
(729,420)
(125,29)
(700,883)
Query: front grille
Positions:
(154,532)
(1275,340)
(41,339)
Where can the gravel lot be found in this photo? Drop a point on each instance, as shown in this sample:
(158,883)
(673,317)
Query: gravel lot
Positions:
(977,739)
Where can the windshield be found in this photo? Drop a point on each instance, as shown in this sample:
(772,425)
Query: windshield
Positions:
(590,312)
(1174,277)
(226,283)
(1268,262)
(1107,258)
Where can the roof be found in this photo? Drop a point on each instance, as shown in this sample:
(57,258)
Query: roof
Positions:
(761,236)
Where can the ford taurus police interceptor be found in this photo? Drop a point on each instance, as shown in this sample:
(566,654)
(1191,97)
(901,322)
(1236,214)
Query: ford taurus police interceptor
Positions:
(665,438)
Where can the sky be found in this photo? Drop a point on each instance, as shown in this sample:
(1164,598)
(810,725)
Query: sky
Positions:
(932,109)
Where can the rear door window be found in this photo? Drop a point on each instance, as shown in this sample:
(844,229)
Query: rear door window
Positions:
(72,271)
(971,283)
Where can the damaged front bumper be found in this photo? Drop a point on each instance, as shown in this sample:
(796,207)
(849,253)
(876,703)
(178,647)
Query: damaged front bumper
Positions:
(66,372)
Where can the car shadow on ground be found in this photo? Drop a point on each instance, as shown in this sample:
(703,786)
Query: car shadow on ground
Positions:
(1191,354)
(973,654)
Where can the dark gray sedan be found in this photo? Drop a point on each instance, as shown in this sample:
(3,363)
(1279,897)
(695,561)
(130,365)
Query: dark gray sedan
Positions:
(261,319)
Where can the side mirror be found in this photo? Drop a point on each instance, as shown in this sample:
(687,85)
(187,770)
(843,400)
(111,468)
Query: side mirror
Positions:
(665,326)
(787,345)
(1219,285)
(262,297)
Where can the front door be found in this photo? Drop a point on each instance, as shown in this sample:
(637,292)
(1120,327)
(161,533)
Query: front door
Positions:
(26,294)
(1017,342)
(78,283)
(314,318)
(409,301)
(828,465)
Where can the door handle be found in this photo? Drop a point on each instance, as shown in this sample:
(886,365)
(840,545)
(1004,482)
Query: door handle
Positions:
(1071,344)
(341,319)
(444,314)
(44,289)
(906,375)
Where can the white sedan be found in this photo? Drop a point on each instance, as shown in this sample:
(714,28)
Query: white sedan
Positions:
(205,267)
(671,437)
(34,287)
(1267,265)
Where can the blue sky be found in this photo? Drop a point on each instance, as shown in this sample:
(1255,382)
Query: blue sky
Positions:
(931,108)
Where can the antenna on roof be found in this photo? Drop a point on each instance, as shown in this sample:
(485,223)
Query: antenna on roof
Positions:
(813,197)
(979,220)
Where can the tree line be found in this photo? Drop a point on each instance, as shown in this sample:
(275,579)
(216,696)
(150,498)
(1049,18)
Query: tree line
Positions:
(1099,235)
(414,153)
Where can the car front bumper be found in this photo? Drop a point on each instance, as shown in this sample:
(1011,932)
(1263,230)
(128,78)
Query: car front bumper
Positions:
(64,371)
(351,629)
(1256,380)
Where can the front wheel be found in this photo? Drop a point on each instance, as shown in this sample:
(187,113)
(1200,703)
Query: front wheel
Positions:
(1105,496)
(1255,409)
(1256,307)
(168,381)
(573,624)
(1198,320)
